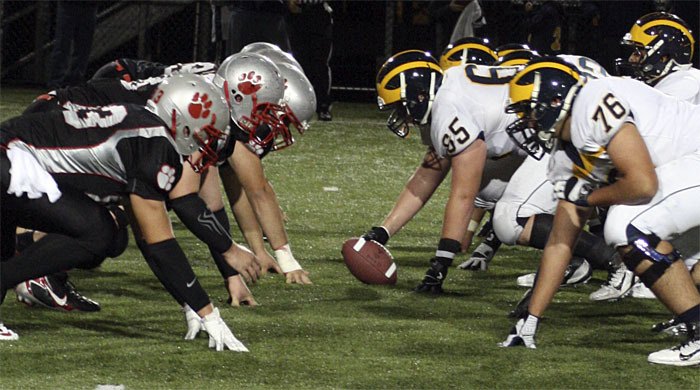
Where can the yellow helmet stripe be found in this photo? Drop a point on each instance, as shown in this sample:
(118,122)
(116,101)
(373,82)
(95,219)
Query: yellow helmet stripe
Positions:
(393,95)
(520,93)
(470,46)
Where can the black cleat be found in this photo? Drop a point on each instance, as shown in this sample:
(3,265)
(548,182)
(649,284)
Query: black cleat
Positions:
(671,327)
(54,292)
(520,310)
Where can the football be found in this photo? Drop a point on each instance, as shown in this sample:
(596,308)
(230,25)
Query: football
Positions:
(369,261)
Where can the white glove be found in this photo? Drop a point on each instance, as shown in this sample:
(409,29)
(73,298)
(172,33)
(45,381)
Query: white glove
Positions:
(194,323)
(523,333)
(220,335)
(574,190)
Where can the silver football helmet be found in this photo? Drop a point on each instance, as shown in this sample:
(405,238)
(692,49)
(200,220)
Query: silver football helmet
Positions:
(255,90)
(279,57)
(257,46)
(299,97)
(196,113)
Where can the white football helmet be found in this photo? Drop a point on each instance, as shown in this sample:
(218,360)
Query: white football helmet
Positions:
(255,90)
(299,97)
(197,113)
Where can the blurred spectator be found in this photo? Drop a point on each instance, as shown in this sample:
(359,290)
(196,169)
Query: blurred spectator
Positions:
(588,31)
(311,38)
(470,18)
(257,21)
(455,19)
(75,27)
(220,15)
(544,25)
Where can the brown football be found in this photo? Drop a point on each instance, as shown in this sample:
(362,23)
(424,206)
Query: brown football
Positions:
(369,261)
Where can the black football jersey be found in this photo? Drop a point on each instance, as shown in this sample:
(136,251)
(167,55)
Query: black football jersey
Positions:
(104,151)
(129,70)
(104,92)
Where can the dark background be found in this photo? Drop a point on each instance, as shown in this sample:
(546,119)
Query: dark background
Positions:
(365,33)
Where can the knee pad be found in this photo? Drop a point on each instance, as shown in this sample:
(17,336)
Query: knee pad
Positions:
(644,248)
(121,236)
(541,227)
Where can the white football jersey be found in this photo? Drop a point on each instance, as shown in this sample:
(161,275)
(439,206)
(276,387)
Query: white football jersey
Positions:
(585,66)
(683,84)
(469,105)
(560,166)
(670,127)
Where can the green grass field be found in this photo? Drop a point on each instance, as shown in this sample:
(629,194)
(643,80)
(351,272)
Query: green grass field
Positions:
(337,333)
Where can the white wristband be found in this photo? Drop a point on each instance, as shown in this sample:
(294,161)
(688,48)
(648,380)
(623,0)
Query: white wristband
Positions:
(286,259)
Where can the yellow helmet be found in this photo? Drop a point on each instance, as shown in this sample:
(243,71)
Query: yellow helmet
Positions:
(468,50)
(541,95)
(663,41)
(515,54)
(408,82)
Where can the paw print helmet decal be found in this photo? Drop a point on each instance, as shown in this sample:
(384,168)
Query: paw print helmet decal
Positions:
(197,115)
(255,89)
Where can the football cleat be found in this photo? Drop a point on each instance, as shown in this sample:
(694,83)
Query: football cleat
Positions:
(521,307)
(7,334)
(433,279)
(686,354)
(639,290)
(671,327)
(578,272)
(618,285)
(54,293)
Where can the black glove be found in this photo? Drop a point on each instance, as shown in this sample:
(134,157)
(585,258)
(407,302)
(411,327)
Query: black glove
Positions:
(434,276)
(378,234)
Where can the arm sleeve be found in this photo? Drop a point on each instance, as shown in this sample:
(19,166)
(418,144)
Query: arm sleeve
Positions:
(174,268)
(202,222)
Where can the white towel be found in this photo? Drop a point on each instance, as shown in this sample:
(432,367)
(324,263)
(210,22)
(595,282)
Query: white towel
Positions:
(30,177)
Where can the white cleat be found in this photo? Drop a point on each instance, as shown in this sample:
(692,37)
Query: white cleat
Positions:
(686,354)
(7,334)
(639,290)
(618,285)
(578,272)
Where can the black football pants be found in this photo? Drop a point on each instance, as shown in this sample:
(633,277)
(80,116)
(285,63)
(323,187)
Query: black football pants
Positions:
(80,232)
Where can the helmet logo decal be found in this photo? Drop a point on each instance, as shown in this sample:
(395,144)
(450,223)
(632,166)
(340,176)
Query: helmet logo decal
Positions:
(249,83)
(165,177)
(200,107)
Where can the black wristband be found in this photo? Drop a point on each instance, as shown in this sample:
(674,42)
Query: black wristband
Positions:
(193,212)
(177,272)
(447,248)
(449,245)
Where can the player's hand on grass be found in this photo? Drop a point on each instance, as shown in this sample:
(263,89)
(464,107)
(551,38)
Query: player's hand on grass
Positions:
(267,263)
(522,333)
(299,276)
(290,266)
(194,323)
(220,336)
(239,294)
